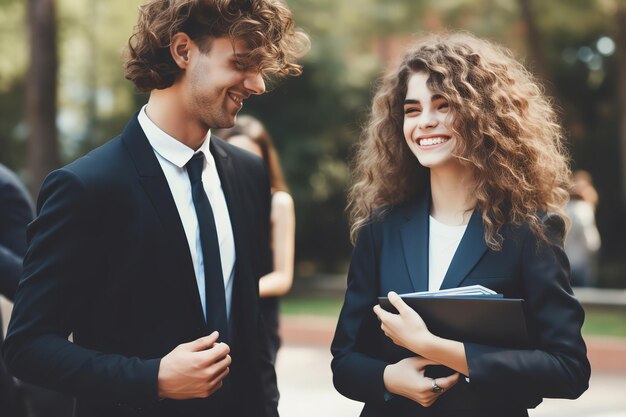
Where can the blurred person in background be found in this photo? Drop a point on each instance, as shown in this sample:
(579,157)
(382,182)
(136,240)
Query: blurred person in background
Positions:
(16,212)
(460,179)
(149,248)
(250,134)
(582,242)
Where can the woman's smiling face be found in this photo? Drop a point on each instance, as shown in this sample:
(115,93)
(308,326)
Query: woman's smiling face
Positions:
(427,119)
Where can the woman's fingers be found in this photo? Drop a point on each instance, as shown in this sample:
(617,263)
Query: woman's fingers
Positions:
(378,311)
(447,382)
(399,303)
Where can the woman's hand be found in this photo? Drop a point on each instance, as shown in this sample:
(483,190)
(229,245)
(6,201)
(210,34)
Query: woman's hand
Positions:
(406,378)
(406,329)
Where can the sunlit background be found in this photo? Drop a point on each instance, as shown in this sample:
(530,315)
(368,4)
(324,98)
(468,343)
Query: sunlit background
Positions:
(571,45)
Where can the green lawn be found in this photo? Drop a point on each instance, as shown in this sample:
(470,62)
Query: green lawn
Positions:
(597,322)
(313,306)
(605,323)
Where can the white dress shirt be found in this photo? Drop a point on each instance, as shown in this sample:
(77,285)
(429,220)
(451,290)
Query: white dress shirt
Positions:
(173,155)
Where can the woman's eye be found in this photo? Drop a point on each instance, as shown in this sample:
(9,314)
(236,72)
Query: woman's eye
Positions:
(444,105)
(411,110)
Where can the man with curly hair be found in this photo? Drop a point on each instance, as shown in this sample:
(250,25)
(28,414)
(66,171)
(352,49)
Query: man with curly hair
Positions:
(148,250)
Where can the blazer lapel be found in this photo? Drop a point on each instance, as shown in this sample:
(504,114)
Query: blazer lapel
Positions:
(415,241)
(469,252)
(156,187)
(226,172)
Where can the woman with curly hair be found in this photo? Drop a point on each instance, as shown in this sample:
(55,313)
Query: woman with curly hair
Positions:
(460,179)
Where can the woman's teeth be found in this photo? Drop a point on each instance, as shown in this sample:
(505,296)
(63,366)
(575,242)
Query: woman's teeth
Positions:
(432,141)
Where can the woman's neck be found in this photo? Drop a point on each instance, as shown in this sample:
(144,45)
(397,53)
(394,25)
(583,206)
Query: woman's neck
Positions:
(452,195)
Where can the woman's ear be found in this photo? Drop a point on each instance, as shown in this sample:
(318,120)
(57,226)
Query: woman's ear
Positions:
(179,48)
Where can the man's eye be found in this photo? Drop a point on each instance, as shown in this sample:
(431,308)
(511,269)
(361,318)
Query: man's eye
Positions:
(247,66)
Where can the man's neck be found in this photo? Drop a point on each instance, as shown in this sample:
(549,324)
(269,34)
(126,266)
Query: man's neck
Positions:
(170,115)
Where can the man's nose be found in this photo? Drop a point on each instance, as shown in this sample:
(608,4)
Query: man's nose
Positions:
(254,83)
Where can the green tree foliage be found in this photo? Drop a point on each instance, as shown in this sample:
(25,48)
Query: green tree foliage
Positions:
(13,49)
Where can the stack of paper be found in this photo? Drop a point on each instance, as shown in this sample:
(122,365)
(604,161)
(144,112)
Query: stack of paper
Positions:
(472,290)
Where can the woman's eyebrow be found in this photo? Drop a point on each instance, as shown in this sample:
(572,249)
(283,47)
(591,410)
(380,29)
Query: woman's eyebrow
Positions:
(432,99)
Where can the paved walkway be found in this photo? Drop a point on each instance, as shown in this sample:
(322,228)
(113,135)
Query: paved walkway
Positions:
(305,384)
(305,381)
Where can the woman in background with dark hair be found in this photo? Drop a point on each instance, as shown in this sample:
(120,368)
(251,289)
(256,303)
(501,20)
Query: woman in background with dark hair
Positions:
(249,134)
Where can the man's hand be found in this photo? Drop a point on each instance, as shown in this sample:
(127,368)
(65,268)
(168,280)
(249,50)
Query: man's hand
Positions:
(406,378)
(194,370)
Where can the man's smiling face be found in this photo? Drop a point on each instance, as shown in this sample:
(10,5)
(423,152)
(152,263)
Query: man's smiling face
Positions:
(217,83)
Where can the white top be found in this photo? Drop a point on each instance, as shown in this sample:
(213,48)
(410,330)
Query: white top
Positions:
(443,242)
(173,155)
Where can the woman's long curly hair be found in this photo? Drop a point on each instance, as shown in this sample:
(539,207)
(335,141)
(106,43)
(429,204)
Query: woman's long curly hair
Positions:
(507,129)
(266,26)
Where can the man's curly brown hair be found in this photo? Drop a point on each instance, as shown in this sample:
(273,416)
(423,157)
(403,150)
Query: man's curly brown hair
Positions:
(508,130)
(266,26)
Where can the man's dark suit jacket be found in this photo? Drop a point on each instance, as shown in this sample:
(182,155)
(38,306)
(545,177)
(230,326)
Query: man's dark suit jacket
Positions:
(108,261)
(16,212)
(392,254)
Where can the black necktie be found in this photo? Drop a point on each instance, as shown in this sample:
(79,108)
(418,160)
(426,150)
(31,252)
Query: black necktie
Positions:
(213,275)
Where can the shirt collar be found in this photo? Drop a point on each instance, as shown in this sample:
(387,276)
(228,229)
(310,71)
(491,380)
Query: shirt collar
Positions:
(169,147)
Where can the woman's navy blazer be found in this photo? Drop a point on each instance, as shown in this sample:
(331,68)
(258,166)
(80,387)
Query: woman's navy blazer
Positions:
(392,254)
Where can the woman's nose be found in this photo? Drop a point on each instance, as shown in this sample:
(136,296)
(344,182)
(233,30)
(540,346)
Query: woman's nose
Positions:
(427,121)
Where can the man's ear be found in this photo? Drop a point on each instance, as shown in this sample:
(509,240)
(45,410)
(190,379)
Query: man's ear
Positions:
(179,48)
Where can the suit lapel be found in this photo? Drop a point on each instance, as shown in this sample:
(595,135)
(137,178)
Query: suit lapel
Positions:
(227,174)
(156,187)
(469,252)
(415,241)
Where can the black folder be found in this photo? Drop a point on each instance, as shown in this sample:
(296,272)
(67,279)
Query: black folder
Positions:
(487,320)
